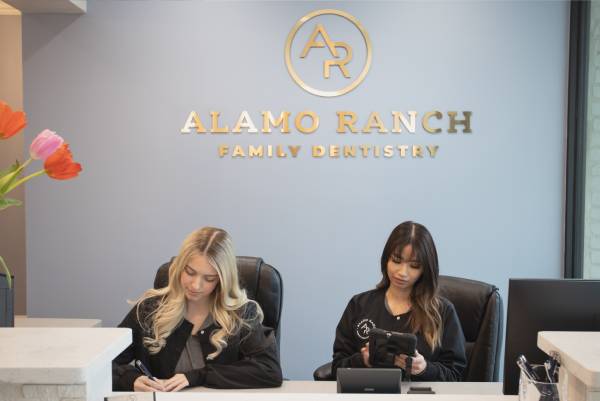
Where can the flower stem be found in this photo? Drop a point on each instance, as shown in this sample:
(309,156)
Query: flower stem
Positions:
(25,164)
(8,276)
(7,178)
(22,166)
(24,180)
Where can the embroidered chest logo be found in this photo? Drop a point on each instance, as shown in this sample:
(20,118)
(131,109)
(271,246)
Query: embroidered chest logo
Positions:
(364,327)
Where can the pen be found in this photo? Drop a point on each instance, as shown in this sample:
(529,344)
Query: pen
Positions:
(523,364)
(144,369)
(548,368)
(525,370)
(554,362)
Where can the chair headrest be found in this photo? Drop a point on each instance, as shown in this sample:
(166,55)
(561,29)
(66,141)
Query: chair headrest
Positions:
(470,299)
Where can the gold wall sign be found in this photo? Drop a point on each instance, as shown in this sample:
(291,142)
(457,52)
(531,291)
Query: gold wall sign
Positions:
(306,122)
(341,53)
(336,48)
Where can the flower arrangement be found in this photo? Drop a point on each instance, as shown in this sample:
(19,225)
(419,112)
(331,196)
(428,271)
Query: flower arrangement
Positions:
(47,147)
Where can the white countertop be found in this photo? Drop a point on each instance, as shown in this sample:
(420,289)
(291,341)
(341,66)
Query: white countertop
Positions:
(57,355)
(26,321)
(242,396)
(330,387)
(579,353)
(326,390)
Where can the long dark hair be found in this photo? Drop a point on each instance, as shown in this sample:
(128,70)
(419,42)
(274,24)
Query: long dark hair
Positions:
(425,316)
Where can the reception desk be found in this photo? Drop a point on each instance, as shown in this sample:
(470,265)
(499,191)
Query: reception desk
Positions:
(74,364)
(330,387)
(26,321)
(58,364)
(326,391)
(579,355)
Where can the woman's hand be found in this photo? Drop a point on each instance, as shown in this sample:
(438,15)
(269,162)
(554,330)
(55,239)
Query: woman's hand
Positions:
(176,383)
(144,383)
(365,355)
(418,363)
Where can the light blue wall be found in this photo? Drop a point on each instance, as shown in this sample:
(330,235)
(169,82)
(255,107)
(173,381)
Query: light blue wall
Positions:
(118,82)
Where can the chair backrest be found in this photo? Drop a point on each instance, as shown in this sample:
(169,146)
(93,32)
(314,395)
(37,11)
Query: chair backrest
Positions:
(262,283)
(479,309)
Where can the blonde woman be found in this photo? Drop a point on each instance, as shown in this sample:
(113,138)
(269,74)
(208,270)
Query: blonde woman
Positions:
(200,330)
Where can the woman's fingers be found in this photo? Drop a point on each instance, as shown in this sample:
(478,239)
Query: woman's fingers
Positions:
(157,386)
(399,362)
(419,363)
(176,382)
(171,383)
(181,386)
(144,383)
(365,354)
(141,387)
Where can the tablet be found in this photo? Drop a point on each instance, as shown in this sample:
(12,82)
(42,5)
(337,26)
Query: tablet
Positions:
(384,345)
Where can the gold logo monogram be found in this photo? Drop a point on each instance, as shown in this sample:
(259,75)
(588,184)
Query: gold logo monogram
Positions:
(320,30)
(340,51)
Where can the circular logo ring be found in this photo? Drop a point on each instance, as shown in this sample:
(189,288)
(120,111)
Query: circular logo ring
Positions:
(294,74)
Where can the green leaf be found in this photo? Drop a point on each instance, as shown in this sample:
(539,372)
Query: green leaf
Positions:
(9,176)
(7,202)
(10,169)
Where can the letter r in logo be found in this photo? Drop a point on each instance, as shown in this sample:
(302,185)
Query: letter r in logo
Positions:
(327,64)
(316,36)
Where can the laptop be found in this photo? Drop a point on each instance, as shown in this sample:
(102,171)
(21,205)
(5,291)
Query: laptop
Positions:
(368,380)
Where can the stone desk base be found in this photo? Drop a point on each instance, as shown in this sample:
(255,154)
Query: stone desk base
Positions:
(42,392)
(58,364)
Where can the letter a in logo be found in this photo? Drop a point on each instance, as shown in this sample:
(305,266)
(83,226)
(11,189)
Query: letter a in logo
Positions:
(327,64)
(349,57)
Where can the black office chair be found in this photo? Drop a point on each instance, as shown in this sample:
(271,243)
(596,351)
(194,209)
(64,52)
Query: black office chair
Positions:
(479,309)
(261,281)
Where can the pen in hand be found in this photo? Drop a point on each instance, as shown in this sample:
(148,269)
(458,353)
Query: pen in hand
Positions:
(140,366)
(146,382)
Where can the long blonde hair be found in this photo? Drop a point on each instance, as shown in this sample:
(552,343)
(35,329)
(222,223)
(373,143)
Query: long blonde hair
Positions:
(228,299)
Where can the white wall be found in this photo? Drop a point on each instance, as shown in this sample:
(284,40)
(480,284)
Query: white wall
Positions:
(119,81)
(12,220)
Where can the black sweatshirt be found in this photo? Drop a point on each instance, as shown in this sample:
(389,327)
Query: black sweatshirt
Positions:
(250,359)
(367,310)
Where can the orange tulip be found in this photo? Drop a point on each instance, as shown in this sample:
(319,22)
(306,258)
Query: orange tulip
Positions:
(10,122)
(60,165)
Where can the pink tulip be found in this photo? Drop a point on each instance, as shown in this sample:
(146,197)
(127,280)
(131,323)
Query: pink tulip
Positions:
(46,143)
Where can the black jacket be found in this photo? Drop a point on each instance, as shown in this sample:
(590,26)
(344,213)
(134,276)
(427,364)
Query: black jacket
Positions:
(367,310)
(250,360)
